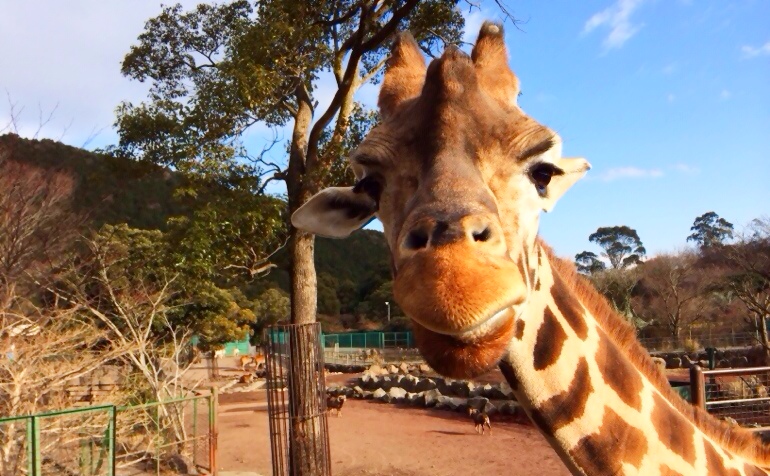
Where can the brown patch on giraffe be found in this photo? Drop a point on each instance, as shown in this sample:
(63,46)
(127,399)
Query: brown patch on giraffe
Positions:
(563,408)
(537,284)
(618,373)
(751,470)
(549,343)
(715,463)
(673,429)
(614,437)
(569,308)
(509,374)
(518,329)
(666,471)
(742,443)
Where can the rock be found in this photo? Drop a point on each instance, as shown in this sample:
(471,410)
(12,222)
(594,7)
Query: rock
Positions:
(378,394)
(739,362)
(386,383)
(358,392)
(449,403)
(507,391)
(486,391)
(478,403)
(375,369)
(723,364)
(444,385)
(425,368)
(424,385)
(403,368)
(674,363)
(704,364)
(430,397)
(392,369)
(496,393)
(462,388)
(397,394)
(509,408)
(412,398)
(409,383)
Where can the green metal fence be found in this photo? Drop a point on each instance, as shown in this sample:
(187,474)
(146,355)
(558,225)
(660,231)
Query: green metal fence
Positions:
(93,441)
(368,340)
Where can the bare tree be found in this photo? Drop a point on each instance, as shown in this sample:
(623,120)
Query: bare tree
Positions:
(671,290)
(750,282)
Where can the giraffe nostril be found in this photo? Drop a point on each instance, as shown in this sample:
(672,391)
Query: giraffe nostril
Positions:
(483,235)
(416,240)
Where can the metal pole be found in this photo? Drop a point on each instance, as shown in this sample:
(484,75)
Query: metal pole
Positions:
(387,303)
(697,387)
(214,433)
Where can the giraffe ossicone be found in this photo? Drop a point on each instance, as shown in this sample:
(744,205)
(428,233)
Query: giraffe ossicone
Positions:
(458,175)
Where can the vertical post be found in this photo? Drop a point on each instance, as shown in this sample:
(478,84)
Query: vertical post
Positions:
(37,468)
(195,432)
(697,387)
(213,431)
(31,450)
(111,445)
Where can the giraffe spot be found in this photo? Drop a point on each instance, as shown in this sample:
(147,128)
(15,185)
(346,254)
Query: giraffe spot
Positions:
(619,373)
(550,340)
(509,374)
(614,444)
(674,430)
(518,329)
(537,284)
(751,470)
(569,307)
(715,463)
(563,408)
(666,471)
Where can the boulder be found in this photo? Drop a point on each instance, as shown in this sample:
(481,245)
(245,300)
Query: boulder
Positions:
(449,403)
(375,369)
(397,394)
(509,408)
(461,388)
(412,398)
(478,403)
(425,369)
(378,394)
(409,383)
(507,391)
(392,369)
(486,391)
(496,393)
(660,363)
(424,385)
(403,368)
(674,362)
(430,397)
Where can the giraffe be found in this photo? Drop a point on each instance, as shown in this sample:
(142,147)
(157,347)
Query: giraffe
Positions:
(457,173)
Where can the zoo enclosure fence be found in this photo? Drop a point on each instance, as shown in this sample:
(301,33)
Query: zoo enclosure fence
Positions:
(106,440)
(740,394)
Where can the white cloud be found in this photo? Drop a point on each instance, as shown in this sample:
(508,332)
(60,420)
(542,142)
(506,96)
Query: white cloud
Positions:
(617,17)
(630,172)
(754,51)
(685,169)
(725,95)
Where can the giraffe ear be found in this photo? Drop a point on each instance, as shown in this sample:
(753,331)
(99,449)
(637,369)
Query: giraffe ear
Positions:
(490,57)
(574,169)
(404,74)
(335,212)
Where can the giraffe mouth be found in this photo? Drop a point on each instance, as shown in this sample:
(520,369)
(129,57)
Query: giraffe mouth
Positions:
(471,352)
(481,328)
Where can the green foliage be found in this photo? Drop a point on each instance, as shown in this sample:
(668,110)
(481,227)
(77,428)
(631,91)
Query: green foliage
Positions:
(271,307)
(588,263)
(710,230)
(621,245)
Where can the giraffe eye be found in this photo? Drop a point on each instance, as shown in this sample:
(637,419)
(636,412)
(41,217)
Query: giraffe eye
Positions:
(541,174)
(370,185)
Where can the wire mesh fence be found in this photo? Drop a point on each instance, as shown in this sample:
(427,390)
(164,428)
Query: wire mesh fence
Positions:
(739,394)
(112,441)
(700,342)
(296,391)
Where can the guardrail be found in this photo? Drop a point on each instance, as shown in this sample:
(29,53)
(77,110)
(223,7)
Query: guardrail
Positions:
(740,394)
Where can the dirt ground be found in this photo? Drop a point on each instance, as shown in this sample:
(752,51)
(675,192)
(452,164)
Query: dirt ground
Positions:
(377,439)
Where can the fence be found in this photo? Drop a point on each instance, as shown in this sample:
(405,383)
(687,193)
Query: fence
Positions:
(98,440)
(368,340)
(296,398)
(699,342)
(741,394)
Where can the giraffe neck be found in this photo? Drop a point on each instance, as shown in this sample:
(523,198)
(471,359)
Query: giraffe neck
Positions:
(595,394)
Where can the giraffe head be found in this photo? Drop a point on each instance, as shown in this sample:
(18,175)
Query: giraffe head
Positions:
(457,174)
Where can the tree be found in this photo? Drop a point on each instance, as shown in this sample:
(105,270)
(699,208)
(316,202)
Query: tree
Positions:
(750,281)
(621,244)
(672,292)
(618,286)
(710,230)
(272,306)
(588,263)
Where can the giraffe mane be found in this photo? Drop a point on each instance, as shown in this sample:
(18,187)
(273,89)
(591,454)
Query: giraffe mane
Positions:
(741,442)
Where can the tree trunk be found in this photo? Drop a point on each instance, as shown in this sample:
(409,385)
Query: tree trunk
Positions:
(303,278)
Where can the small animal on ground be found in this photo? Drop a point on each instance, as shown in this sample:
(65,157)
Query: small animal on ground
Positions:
(335,403)
(246,378)
(245,360)
(480,420)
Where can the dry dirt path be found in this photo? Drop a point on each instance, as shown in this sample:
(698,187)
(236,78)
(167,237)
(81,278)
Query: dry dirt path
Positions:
(377,439)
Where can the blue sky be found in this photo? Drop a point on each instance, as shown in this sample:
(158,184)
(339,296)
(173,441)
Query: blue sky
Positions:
(668,100)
